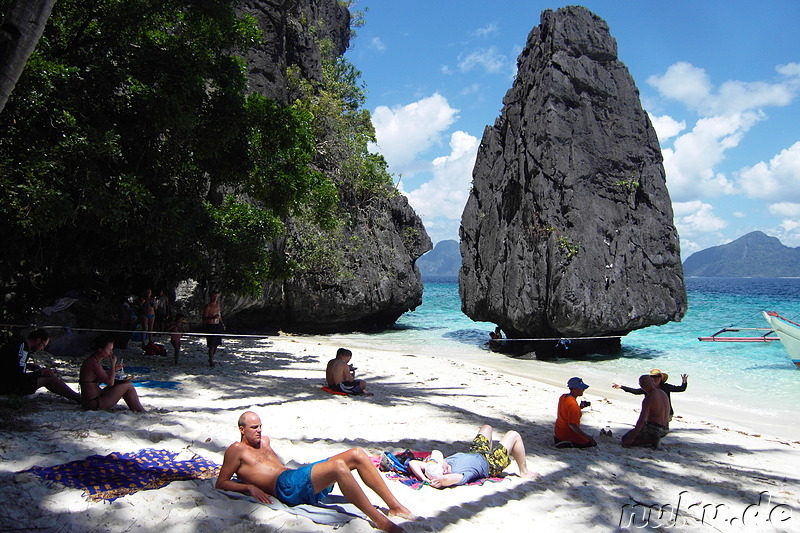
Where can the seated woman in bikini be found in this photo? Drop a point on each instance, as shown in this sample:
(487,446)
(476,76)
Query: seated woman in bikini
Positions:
(93,373)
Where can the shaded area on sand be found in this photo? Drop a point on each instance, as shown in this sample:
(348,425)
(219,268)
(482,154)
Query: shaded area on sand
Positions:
(420,402)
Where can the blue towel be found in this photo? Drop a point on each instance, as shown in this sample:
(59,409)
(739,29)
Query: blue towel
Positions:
(155,384)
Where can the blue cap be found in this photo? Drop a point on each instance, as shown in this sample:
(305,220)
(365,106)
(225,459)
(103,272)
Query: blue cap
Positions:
(576,383)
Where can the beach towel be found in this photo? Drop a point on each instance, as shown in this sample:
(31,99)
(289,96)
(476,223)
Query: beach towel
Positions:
(108,477)
(333,511)
(414,483)
(155,384)
(331,391)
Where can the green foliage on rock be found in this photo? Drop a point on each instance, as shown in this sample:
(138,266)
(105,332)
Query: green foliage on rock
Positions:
(343,132)
(130,154)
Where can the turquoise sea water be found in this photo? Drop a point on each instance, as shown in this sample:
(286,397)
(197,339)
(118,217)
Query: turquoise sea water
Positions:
(757,380)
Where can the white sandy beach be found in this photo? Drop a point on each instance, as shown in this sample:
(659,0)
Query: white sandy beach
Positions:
(720,476)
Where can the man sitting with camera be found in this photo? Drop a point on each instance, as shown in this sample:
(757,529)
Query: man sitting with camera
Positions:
(568,433)
(340,374)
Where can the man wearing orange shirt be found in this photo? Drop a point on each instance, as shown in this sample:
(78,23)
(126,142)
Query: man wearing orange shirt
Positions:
(568,433)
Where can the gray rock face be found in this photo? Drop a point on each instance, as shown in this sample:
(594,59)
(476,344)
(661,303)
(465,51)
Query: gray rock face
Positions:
(365,276)
(291,29)
(367,282)
(568,230)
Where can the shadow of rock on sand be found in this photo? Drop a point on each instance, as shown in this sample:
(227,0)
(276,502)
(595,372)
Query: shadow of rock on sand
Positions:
(419,410)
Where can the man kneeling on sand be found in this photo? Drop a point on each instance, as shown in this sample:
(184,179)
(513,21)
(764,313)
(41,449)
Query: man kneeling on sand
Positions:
(653,423)
(263,474)
(567,432)
(340,374)
(482,461)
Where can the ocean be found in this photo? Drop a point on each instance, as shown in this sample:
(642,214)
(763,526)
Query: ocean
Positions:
(754,382)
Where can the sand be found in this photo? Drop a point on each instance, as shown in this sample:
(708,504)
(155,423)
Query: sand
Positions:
(709,475)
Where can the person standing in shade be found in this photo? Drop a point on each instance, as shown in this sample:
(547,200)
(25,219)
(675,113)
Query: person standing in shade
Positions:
(568,433)
(212,318)
(148,316)
(660,379)
(162,310)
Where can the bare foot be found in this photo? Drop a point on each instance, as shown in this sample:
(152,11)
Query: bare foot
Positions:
(402,512)
(388,525)
(530,475)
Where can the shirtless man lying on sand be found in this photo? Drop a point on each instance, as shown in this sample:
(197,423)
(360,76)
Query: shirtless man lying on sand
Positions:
(263,475)
(653,423)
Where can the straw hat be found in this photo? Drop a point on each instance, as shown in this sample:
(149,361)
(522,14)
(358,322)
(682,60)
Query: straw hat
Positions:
(657,372)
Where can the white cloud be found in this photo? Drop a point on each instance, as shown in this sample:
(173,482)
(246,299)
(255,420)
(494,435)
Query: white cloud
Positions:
(470,89)
(667,127)
(790,226)
(696,217)
(788,231)
(789,70)
(446,194)
(486,30)
(683,82)
(785,209)
(490,59)
(689,247)
(691,86)
(690,163)
(403,132)
(779,179)
(377,44)
(727,113)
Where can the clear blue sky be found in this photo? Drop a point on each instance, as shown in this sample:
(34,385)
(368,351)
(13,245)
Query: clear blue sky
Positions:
(720,80)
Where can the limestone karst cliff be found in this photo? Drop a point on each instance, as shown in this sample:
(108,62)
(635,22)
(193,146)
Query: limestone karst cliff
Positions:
(568,229)
(362,275)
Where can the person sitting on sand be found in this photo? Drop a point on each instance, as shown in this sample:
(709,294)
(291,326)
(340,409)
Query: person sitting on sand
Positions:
(262,474)
(653,421)
(568,433)
(495,338)
(480,462)
(21,376)
(93,373)
(340,374)
(660,379)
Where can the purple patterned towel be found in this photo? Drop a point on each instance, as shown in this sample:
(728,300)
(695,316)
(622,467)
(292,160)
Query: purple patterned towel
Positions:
(108,477)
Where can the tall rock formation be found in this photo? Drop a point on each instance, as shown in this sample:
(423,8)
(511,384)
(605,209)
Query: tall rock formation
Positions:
(291,32)
(568,230)
(363,276)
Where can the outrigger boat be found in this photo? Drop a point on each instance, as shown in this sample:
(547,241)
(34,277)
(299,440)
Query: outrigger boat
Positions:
(719,337)
(788,332)
(782,329)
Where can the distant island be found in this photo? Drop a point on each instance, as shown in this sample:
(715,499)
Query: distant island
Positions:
(755,255)
(443,261)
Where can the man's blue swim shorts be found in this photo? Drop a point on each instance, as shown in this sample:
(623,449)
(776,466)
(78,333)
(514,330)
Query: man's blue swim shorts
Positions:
(294,487)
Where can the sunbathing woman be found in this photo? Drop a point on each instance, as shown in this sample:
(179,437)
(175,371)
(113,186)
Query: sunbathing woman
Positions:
(93,373)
